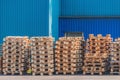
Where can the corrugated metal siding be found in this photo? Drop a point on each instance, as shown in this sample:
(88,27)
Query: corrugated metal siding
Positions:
(90,7)
(23,17)
(90,26)
(55,15)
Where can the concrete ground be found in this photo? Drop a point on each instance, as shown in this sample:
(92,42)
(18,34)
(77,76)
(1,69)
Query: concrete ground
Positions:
(60,77)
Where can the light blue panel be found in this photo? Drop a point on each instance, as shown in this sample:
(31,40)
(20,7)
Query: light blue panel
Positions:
(55,15)
(90,7)
(90,26)
(23,17)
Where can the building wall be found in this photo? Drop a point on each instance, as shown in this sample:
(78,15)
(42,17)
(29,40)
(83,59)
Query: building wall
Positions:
(75,9)
(90,8)
(90,26)
(24,18)
(31,17)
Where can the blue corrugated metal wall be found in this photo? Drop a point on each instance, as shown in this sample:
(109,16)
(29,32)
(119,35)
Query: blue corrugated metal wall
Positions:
(90,7)
(31,17)
(90,26)
(23,17)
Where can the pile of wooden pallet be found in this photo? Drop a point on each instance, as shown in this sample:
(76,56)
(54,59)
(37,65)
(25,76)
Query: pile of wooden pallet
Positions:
(97,54)
(15,55)
(69,54)
(115,57)
(1,64)
(42,56)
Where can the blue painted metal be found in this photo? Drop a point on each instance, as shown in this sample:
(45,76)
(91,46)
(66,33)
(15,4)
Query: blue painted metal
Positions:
(90,26)
(90,7)
(23,17)
(55,15)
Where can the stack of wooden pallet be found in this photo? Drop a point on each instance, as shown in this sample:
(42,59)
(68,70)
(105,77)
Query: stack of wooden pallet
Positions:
(1,64)
(69,54)
(96,57)
(15,55)
(42,55)
(115,57)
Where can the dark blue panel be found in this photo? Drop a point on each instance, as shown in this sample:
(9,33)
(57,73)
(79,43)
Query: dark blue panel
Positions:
(23,17)
(90,26)
(90,7)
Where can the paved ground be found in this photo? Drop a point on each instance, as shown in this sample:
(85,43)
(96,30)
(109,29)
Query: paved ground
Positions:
(59,77)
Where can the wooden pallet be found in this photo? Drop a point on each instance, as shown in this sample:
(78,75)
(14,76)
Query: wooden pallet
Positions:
(40,71)
(92,73)
(115,73)
(13,73)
